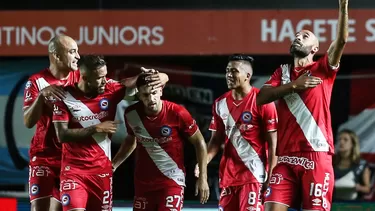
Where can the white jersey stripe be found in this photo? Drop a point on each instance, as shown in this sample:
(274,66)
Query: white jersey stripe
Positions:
(244,150)
(162,160)
(102,139)
(41,83)
(304,117)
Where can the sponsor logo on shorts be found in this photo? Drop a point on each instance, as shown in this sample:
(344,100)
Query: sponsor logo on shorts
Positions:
(65,199)
(34,189)
(252,208)
(316,202)
(298,161)
(221,208)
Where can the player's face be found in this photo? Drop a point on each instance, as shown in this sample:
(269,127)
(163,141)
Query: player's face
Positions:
(150,97)
(235,74)
(345,142)
(304,44)
(97,80)
(69,55)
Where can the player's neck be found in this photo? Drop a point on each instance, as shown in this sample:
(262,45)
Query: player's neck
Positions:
(60,74)
(240,92)
(302,62)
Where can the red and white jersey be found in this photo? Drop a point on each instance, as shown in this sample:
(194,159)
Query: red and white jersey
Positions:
(45,148)
(160,144)
(91,155)
(305,118)
(243,124)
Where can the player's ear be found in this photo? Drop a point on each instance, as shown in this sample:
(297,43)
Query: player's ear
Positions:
(56,56)
(314,50)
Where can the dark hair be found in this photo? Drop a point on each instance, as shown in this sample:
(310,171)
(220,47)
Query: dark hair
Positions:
(241,57)
(141,80)
(91,62)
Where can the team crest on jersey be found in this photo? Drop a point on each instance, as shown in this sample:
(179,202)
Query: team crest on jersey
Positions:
(34,189)
(104,104)
(246,116)
(28,85)
(65,199)
(166,131)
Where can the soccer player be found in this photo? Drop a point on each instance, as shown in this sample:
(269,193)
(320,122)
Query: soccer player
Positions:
(84,123)
(157,129)
(245,129)
(45,150)
(303,175)
(40,91)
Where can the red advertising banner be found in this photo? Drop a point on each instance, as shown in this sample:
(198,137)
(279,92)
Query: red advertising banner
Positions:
(180,32)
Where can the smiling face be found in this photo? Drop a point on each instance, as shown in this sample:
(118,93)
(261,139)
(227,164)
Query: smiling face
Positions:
(238,74)
(67,53)
(96,81)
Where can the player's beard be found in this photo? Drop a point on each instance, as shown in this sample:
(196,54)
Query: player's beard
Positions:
(300,51)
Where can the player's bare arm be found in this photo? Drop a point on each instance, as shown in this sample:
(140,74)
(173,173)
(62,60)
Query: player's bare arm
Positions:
(126,149)
(66,134)
(269,94)
(201,150)
(32,114)
(214,145)
(155,79)
(337,47)
(271,138)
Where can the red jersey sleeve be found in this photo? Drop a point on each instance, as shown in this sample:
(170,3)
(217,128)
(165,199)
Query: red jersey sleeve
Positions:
(60,112)
(30,93)
(269,116)
(216,123)
(275,79)
(329,71)
(188,125)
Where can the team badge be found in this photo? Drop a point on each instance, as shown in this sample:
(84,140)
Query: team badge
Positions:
(65,199)
(166,131)
(246,116)
(28,84)
(268,192)
(34,189)
(104,104)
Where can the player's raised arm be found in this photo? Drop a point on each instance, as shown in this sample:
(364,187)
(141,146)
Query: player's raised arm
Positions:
(337,47)
(126,149)
(154,79)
